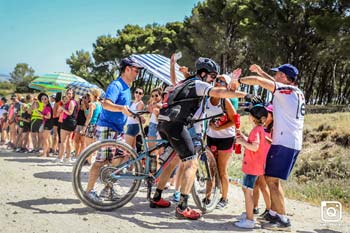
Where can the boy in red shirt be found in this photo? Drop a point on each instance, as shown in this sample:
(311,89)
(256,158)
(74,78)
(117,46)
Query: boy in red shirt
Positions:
(256,148)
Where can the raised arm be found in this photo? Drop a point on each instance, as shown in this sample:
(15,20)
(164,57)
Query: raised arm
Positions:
(172,70)
(224,93)
(257,69)
(257,80)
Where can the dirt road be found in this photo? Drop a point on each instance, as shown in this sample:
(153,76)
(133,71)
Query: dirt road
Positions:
(36,195)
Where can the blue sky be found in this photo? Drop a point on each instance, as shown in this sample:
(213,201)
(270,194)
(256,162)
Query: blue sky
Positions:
(44,33)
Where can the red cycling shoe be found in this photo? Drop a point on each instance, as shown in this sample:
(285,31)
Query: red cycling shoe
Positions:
(159,204)
(188,213)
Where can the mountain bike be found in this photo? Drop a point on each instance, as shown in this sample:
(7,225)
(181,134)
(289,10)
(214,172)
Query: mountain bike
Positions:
(128,169)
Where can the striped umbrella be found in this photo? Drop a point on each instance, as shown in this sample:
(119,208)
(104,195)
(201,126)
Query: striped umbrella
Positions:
(159,66)
(82,88)
(54,82)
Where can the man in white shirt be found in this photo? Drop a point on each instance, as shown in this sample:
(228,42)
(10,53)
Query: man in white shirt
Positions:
(289,110)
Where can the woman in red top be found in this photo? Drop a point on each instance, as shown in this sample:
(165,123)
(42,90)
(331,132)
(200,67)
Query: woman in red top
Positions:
(48,124)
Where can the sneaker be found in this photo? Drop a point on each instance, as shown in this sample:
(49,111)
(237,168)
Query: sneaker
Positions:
(66,161)
(73,160)
(268,218)
(245,223)
(109,194)
(187,213)
(256,211)
(159,204)
(222,204)
(242,216)
(18,149)
(57,160)
(93,196)
(263,214)
(206,201)
(176,197)
(279,225)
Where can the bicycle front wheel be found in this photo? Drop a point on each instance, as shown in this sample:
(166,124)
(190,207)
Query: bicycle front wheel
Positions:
(109,192)
(206,190)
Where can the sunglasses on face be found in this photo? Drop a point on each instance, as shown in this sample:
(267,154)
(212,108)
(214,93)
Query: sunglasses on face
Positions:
(155,96)
(221,82)
(42,99)
(138,92)
(212,75)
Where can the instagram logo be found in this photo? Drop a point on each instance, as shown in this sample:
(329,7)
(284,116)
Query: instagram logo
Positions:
(331,211)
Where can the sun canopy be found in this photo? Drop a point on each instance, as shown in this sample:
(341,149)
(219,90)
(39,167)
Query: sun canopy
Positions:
(159,66)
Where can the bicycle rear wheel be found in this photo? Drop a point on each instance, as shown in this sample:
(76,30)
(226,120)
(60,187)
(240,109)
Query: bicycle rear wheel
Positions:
(206,190)
(123,189)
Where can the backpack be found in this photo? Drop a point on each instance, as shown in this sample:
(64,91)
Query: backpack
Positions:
(173,92)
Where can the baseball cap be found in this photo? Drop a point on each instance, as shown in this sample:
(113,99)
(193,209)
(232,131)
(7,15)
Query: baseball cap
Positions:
(258,111)
(288,69)
(53,96)
(130,61)
(227,78)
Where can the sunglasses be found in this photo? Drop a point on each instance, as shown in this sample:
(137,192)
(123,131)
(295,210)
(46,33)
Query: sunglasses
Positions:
(139,92)
(212,75)
(221,82)
(155,96)
(43,98)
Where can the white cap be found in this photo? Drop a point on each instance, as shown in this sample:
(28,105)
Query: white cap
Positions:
(227,78)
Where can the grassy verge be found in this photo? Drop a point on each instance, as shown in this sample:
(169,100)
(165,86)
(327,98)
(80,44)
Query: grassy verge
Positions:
(322,171)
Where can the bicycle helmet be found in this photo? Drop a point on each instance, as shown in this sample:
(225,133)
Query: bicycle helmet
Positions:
(207,64)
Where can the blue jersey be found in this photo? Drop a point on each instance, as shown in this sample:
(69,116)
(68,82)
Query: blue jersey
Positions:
(119,93)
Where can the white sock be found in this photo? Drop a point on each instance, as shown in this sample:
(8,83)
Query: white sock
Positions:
(283,218)
(272,213)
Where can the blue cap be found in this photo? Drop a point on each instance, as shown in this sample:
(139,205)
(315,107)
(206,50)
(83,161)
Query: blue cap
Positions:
(288,69)
(130,61)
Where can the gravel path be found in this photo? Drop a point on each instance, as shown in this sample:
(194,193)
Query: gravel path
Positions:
(36,195)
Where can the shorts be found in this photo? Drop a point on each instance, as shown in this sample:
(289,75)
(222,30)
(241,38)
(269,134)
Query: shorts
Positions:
(280,161)
(69,124)
(55,121)
(222,144)
(35,125)
(78,128)
(90,131)
(133,130)
(103,133)
(177,134)
(249,181)
(152,130)
(26,128)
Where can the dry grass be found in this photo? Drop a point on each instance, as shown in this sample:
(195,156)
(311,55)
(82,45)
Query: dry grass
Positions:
(322,171)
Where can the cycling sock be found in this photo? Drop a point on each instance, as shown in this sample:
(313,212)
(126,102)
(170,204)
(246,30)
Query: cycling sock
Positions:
(157,195)
(183,201)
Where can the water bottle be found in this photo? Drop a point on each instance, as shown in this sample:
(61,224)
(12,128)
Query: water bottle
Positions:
(153,163)
(167,152)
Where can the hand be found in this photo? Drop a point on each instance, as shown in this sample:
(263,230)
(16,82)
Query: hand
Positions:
(256,69)
(239,140)
(126,111)
(213,126)
(236,73)
(254,99)
(143,120)
(234,84)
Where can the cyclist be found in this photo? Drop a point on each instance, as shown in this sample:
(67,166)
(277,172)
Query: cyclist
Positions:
(173,118)
(112,120)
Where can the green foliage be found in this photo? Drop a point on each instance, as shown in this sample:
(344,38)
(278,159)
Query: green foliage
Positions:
(313,35)
(22,75)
